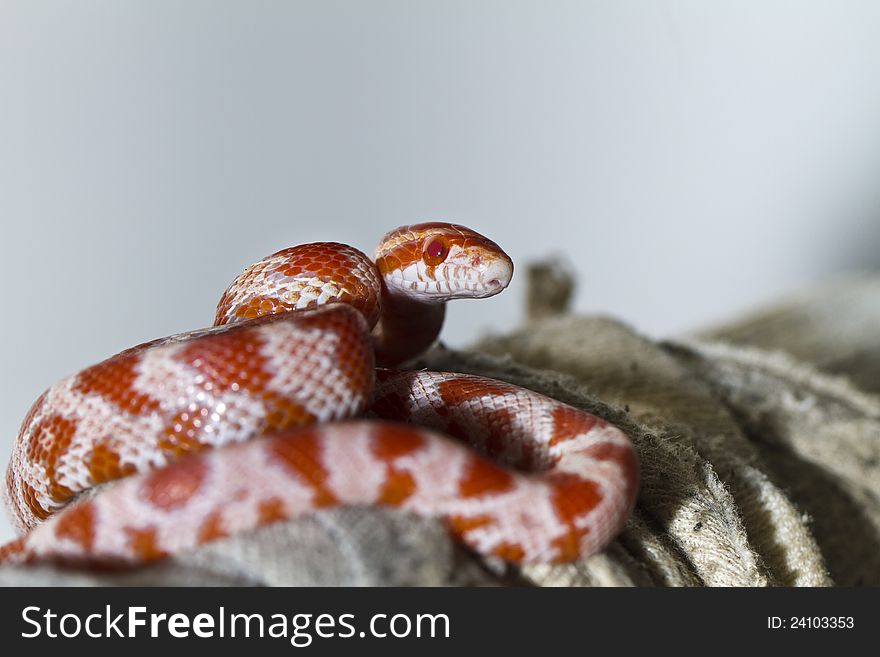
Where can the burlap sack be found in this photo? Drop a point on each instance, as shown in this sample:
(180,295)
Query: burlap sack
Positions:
(758,467)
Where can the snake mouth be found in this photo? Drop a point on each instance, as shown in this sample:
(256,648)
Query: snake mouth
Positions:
(452,281)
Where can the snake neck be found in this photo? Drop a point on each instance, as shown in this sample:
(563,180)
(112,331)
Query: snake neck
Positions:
(406,328)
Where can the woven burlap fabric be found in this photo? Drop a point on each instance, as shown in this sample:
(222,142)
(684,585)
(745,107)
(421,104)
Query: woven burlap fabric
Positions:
(758,467)
(835,327)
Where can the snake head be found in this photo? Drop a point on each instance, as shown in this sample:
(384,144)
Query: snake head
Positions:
(435,262)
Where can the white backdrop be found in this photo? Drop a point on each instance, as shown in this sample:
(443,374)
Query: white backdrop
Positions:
(691,159)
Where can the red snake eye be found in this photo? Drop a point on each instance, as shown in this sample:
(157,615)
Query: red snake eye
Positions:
(435,250)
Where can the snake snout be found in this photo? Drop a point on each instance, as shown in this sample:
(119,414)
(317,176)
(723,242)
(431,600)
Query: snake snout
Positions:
(497,275)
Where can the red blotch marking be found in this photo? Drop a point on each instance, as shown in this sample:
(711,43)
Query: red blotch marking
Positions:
(103,464)
(460,525)
(29,494)
(464,388)
(392,442)
(172,486)
(484,478)
(271,510)
(212,528)
(512,552)
(10,550)
(260,306)
(572,497)
(568,546)
(282,413)
(300,453)
(48,441)
(229,361)
(568,423)
(397,488)
(77,523)
(114,380)
(183,434)
(144,543)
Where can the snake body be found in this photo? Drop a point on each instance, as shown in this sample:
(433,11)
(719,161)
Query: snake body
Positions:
(279,410)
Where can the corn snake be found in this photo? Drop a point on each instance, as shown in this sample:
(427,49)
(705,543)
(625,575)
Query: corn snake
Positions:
(285,390)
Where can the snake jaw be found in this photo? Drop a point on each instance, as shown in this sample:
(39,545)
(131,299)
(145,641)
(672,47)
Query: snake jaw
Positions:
(456,278)
(434,263)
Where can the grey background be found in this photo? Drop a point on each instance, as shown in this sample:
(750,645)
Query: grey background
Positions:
(690,159)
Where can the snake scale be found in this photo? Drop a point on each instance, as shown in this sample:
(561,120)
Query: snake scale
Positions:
(289,403)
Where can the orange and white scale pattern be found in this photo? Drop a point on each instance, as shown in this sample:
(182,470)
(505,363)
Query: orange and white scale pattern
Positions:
(145,407)
(561,481)
(514,474)
(301,277)
(574,483)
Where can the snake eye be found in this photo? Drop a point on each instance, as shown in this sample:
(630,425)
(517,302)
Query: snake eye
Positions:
(435,250)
